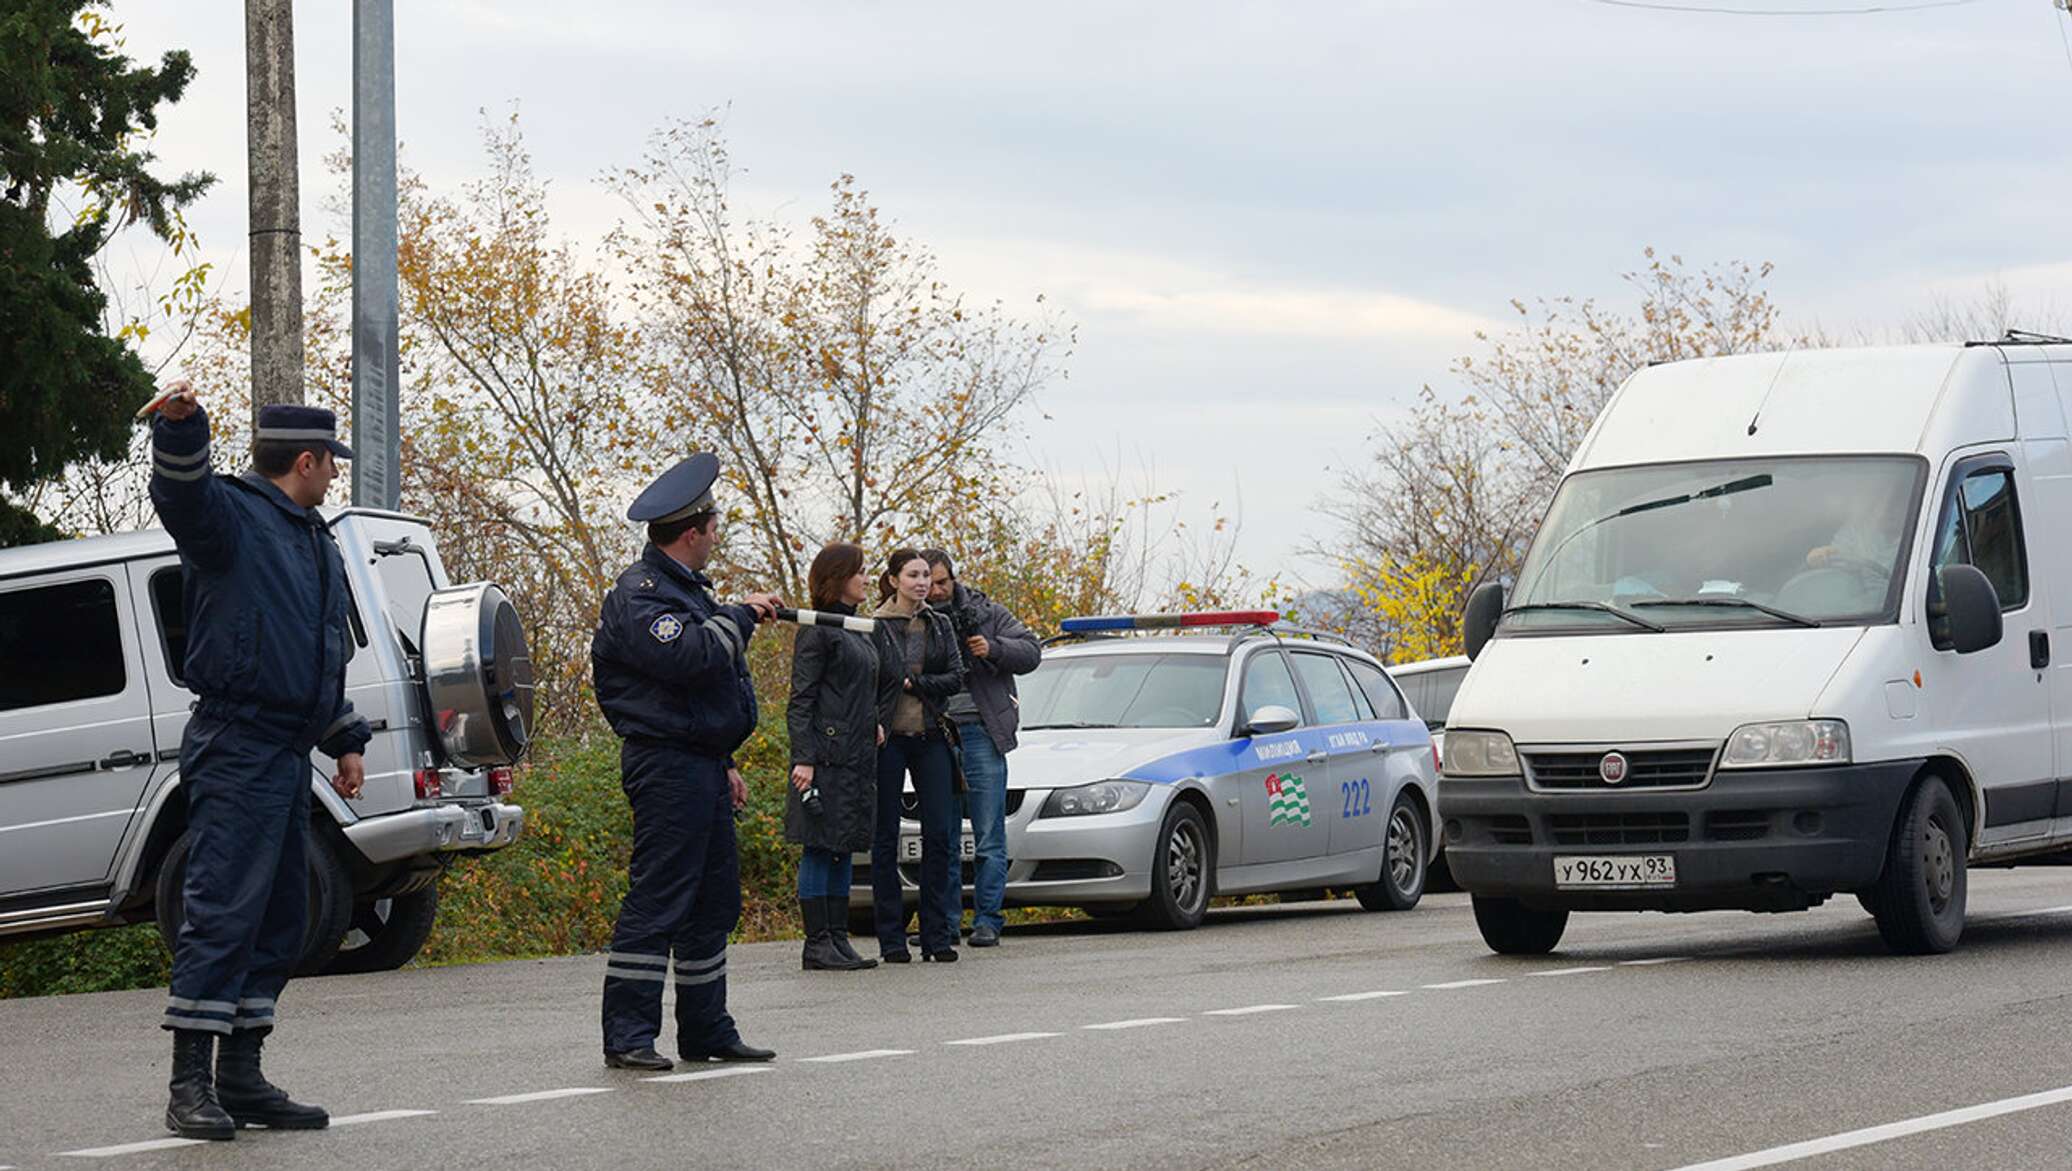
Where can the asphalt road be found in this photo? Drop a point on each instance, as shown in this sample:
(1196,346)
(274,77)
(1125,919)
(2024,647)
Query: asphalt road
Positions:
(1313,1035)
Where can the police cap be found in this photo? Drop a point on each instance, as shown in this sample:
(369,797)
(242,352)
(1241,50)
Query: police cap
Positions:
(295,423)
(683,491)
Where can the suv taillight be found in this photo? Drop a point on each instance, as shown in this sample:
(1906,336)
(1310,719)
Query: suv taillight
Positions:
(502,780)
(430,786)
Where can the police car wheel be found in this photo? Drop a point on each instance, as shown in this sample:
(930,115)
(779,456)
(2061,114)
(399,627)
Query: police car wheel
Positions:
(386,933)
(1514,929)
(1182,867)
(1919,899)
(330,900)
(1403,849)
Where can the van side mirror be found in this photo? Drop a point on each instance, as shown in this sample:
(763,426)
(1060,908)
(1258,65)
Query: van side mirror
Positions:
(1966,616)
(1485,610)
(1272,720)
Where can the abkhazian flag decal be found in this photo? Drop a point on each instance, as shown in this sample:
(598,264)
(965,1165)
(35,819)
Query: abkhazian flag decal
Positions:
(1287,800)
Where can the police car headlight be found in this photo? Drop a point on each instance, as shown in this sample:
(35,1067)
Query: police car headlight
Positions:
(1480,754)
(1789,743)
(1101,797)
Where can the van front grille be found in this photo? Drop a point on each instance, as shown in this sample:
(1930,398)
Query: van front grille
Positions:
(1660,768)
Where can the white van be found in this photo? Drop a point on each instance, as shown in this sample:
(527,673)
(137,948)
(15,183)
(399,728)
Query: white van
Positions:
(1786,632)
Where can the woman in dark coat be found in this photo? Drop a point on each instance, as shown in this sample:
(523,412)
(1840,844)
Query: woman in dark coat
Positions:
(922,646)
(841,688)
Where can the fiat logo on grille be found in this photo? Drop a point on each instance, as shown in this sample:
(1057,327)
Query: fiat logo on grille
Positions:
(1612,769)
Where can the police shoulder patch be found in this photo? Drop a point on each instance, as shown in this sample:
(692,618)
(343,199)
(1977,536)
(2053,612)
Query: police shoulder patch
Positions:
(667,628)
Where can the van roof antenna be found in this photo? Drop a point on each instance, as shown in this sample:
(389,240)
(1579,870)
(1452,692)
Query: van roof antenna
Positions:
(1757,418)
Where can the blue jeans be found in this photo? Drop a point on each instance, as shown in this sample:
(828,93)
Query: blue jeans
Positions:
(985,803)
(824,874)
(941,872)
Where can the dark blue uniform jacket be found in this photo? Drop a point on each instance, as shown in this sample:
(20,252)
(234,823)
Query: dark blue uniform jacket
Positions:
(669,661)
(268,635)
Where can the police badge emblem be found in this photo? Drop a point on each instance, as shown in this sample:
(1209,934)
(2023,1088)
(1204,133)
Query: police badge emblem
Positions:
(666,628)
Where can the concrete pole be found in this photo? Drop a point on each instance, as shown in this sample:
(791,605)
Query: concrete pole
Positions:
(276,217)
(377,468)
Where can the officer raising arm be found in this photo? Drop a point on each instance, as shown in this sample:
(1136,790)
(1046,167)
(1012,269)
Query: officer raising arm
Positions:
(268,640)
(671,673)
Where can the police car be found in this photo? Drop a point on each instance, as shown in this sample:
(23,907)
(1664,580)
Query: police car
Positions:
(1168,758)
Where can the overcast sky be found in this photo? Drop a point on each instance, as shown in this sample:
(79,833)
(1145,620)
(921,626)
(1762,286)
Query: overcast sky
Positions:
(1271,223)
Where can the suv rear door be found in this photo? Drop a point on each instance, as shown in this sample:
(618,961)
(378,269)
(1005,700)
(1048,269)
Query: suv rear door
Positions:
(76,748)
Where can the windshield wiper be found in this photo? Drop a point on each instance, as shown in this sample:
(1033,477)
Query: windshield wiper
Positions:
(1744,484)
(1600,607)
(1742,603)
(1074,725)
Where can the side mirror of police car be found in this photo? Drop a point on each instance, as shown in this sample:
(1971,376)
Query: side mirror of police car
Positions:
(1271,720)
(1485,610)
(1969,611)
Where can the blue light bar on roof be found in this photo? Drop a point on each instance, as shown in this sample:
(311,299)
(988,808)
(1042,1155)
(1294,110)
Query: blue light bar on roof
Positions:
(1109,622)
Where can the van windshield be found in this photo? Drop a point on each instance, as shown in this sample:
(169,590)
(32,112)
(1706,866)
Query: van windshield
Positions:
(1770,542)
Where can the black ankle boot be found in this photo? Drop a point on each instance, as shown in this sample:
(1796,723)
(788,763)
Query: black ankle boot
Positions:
(819,954)
(194,1111)
(838,932)
(249,1097)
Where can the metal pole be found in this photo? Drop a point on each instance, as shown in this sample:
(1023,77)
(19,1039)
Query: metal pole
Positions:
(275,209)
(377,471)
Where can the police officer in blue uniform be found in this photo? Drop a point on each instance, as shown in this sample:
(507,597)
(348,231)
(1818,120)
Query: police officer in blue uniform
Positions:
(268,639)
(671,674)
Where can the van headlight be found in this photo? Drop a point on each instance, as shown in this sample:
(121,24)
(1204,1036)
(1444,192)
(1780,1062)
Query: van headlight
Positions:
(1480,754)
(1792,742)
(1100,797)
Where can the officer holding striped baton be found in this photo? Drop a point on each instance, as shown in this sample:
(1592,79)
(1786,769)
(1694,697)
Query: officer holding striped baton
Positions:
(671,671)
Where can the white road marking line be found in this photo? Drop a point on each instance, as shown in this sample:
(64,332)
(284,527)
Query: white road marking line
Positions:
(157,1144)
(1450,985)
(1570,971)
(539,1096)
(1352,996)
(380,1116)
(2029,914)
(1653,962)
(1002,1039)
(864,1055)
(1139,1023)
(707,1074)
(1249,1009)
(1879,1134)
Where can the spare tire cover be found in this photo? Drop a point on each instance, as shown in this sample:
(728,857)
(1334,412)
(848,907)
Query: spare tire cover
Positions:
(478,675)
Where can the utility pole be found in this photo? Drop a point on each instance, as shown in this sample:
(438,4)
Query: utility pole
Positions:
(276,217)
(377,470)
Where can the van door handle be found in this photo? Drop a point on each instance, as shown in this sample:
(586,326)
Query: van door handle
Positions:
(124,758)
(1317,757)
(2039,649)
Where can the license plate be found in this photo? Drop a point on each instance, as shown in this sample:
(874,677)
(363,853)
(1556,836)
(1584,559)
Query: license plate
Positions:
(1615,871)
(910,848)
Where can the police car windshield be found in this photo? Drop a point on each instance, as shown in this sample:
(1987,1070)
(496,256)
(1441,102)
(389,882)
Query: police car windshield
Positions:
(1747,542)
(1124,691)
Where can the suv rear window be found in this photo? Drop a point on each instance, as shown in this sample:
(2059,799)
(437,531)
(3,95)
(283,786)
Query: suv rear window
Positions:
(60,643)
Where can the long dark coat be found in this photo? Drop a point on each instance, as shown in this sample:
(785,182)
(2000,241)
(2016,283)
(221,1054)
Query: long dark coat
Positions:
(842,687)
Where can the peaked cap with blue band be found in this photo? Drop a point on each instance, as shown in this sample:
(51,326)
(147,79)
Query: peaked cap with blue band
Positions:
(294,423)
(683,491)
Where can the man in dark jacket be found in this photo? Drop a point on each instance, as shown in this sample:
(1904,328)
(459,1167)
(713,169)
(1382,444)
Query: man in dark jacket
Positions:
(671,672)
(268,640)
(997,647)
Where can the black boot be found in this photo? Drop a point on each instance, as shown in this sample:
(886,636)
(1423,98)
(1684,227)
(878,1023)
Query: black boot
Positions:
(838,932)
(249,1097)
(194,1111)
(820,954)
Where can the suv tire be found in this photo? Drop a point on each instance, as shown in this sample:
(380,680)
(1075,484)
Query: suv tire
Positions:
(1183,868)
(1404,843)
(384,934)
(1919,900)
(1511,928)
(330,899)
